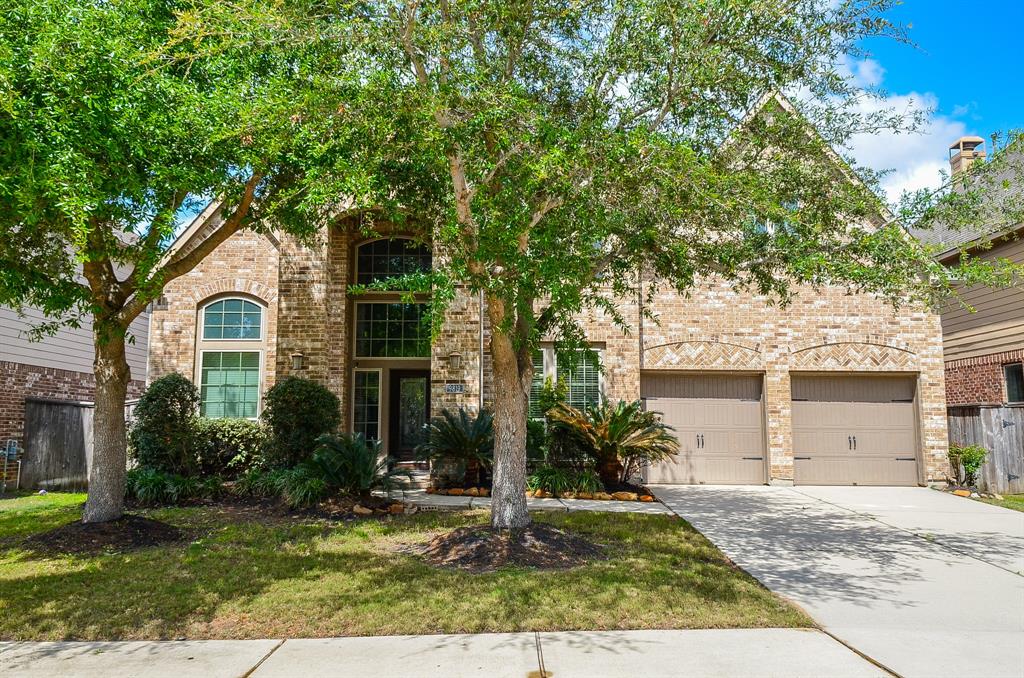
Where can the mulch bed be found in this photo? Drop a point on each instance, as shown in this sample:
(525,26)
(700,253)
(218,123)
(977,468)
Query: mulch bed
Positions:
(125,533)
(481,549)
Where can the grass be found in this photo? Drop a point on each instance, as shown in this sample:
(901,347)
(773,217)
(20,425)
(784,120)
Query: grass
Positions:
(1010,501)
(249,576)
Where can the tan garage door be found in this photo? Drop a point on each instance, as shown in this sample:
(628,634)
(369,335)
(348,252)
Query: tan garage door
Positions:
(718,421)
(854,430)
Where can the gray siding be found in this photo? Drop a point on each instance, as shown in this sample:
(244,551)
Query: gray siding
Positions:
(68,349)
(998,323)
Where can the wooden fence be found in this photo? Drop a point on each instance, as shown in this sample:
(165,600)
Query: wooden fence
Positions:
(58,444)
(1000,430)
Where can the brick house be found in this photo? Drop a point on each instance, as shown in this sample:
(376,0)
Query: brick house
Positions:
(984,347)
(834,388)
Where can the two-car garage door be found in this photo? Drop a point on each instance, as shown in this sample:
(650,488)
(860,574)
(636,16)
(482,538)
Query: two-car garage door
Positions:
(719,423)
(848,429)
(854,430)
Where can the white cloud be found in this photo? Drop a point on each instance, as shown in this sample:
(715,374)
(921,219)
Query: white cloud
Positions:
(916,159)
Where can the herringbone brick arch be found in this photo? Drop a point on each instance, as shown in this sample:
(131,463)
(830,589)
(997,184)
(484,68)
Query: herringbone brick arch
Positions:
(854,356)
(694,355)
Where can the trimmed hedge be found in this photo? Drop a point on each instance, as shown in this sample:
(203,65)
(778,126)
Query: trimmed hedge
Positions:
(298,411)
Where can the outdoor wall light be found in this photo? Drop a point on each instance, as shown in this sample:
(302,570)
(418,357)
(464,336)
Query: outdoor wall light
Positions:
(455,360)
(298,360)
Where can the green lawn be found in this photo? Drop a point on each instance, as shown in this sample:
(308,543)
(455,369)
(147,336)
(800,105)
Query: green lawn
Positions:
(1010,501)
(249,576)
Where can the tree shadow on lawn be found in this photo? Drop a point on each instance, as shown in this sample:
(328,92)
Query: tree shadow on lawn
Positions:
(250,580)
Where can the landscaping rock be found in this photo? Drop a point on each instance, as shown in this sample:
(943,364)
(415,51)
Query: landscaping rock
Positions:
(456,492)
(646,497)
(396,509)
(585,495)
(602,496)
(484,492)
(473,492)
(996,495)
(962,493)
(624,496)
(361,510)
(567,495)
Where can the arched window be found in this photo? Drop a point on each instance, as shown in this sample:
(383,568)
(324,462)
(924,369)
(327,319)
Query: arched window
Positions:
(233,319)
(229,358)
(390,258)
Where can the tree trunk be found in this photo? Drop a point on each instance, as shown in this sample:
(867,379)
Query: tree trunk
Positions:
(508,485)
(109,456)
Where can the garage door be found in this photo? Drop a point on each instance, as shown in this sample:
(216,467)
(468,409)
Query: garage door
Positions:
(718,421)
(853,430)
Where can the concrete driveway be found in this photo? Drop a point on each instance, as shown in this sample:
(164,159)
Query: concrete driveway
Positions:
(922,582)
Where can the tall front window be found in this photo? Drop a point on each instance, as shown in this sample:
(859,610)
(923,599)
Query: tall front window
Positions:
(391,330)
(384,259)
(366,404)
(229,357)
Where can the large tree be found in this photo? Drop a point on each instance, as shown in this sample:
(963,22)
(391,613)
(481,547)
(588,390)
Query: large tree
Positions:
(563,155)
(106,140)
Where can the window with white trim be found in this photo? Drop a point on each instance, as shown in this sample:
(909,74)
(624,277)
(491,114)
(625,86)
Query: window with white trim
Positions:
(229,358)
(581,376)
(366,403)
(390,258)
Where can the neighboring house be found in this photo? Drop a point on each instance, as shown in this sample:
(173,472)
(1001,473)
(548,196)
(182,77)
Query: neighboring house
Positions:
(983,344)
(56,367)
(835,388)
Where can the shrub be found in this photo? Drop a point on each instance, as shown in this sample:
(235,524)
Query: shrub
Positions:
(460,445)
(260,482)
(228,446)
(965,460)
(536,442)
(302,487)
(298,411)
(161,434)
(561,480)
(152,487)
(351,464)
(622,437)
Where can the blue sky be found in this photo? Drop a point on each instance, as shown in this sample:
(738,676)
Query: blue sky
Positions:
(968,65)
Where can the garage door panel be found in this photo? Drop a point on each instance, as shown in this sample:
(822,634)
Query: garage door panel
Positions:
(720,439)
(839,440)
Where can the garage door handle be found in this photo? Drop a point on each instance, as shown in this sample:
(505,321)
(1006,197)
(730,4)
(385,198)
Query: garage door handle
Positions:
(855,442)
(799,458)
(849,442)
(753,458)
(906,459)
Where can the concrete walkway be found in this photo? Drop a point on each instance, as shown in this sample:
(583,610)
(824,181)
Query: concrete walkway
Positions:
(925,583)
(442,502)
(751,653)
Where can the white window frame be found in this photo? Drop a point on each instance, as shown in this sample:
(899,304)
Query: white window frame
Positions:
(259,386)
(201,334)
(355,339)
(550,362)
(380,403)
(1006,383)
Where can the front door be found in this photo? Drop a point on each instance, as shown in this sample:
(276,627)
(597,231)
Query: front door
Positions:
(409,412)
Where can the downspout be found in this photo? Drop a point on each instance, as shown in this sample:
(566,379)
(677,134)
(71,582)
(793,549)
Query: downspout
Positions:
(480,356)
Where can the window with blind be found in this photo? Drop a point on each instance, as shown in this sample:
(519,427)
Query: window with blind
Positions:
(536,386)
(583,378)
(229,384)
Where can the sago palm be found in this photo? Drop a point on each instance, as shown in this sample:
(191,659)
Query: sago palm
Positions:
(462,438)
(621,436)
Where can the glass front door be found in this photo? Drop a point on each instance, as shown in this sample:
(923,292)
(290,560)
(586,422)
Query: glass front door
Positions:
(409,412)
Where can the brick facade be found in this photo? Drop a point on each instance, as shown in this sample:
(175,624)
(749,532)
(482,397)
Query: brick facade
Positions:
(304,288)
(980,380)
(19,381)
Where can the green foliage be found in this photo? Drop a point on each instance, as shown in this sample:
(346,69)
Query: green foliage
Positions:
(261,483)
(558,480)
(623,437)
(552,394)
(303,486)
(298,411)
(460,446)
(228,446)
(965,460)
(349,463)
(154,487)
(161,433)
(536,441)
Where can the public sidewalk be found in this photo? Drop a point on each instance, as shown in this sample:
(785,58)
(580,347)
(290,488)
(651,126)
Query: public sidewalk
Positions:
(751,653)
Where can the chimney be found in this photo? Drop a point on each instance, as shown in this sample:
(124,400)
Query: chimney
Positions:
(964,152)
